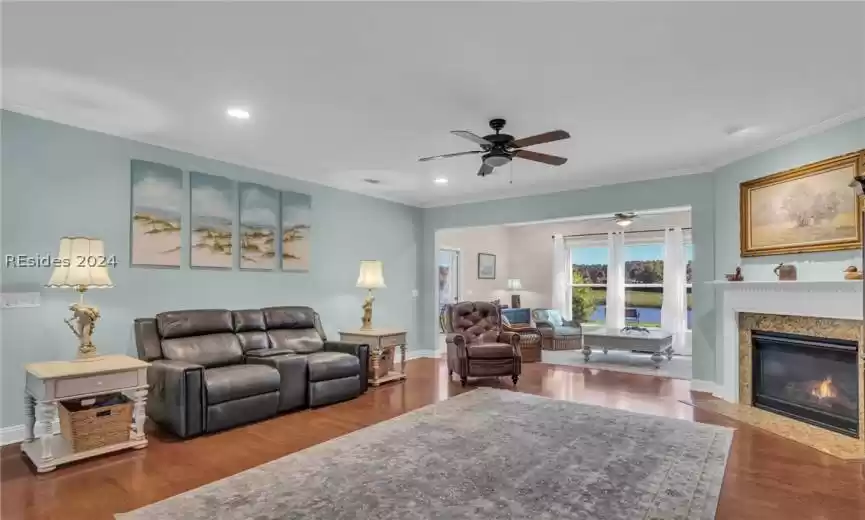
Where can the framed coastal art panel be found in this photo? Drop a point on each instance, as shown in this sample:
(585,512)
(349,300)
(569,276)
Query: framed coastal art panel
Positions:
(155,220)
(259,226)
(807,209)
(296,219)
(486,266)
(211,218)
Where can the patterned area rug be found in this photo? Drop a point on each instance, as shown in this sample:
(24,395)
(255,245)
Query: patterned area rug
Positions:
(485,454)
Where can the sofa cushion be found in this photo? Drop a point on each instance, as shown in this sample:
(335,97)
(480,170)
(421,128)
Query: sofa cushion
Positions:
(289,317)
(324,366)
(238,381)
(179,324)
(478,322)
(210,350)
(491,351)
(253,340)
(301,341)
(248,320)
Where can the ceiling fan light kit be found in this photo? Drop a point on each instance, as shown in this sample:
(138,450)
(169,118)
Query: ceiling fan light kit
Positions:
(498,149)
(625,219)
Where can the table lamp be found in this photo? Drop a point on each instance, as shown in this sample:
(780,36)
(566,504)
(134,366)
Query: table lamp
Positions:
(81,265)
(514,284)
(370,278)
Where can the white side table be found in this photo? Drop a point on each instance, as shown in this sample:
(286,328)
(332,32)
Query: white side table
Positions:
(54,381)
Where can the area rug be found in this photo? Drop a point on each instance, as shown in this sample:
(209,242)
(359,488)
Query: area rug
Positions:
(485,454)
(621,361)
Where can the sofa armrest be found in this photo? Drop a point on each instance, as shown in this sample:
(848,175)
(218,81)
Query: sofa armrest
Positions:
(360,350)
(267,352)
(176,397)
(456,338)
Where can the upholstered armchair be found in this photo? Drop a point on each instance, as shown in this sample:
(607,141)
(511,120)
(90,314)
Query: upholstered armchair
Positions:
(520,321)
(557,333)
(477,346)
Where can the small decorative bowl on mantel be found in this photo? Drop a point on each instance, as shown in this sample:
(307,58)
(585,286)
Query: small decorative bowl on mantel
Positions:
(852,273)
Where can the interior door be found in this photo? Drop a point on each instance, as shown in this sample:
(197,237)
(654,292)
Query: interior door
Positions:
(448,264)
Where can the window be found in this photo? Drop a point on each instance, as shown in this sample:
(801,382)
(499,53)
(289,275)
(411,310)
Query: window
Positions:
(589,293)
(644,283)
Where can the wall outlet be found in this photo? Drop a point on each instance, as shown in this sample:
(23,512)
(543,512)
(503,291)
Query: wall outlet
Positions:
(414,293)
(18,300)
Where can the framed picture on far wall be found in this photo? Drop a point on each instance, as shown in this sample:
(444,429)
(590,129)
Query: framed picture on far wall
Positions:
(486,266)
(807,209)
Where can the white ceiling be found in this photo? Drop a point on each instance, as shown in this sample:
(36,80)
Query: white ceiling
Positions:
(343,92)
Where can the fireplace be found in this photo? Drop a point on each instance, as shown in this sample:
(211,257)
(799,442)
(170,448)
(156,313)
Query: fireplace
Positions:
(808,378)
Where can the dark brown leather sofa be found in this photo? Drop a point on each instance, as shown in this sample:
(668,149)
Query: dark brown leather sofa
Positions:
(216,369)
(477,345)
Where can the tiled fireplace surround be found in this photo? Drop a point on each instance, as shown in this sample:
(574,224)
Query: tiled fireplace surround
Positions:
(830,309)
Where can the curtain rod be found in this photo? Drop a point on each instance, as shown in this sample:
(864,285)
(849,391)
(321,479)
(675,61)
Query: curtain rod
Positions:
(624,232)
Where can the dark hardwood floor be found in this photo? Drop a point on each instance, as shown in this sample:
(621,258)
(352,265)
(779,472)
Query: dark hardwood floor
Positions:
(767,477)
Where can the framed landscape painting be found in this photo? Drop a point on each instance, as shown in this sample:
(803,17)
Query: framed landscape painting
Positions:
(296,217)
(211,213)
(486,266)
(259,226)
(808,209)
(157,203)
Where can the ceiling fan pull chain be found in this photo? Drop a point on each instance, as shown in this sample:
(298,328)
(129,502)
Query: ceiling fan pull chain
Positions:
(512,173)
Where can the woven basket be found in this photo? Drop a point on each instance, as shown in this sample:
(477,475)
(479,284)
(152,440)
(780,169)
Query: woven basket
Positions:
(98,422)
(385,364)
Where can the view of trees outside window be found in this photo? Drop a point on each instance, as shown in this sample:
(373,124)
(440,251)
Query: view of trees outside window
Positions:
(589,296)
(644,282)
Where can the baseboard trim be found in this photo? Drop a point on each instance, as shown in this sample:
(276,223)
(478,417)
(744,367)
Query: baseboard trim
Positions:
(700,385)
(15,434)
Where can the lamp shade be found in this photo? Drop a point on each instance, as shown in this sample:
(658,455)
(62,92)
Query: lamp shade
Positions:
(371,275)
(80,263)
(514,284)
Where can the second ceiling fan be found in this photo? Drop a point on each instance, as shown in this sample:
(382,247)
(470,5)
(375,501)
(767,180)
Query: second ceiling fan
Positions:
(498,149)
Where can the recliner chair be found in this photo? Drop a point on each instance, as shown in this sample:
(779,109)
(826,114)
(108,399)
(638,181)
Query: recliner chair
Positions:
(215,369)
(477,345)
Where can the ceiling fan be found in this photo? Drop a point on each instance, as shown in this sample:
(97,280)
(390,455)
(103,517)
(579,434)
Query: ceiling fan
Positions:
(498,149)
(624,219)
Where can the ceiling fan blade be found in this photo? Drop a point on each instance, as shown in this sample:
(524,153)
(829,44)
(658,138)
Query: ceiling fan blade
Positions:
(555,160)
(465,134)
(445,156)
(555,135)
(485,170)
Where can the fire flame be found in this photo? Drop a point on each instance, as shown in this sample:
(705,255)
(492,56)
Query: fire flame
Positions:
(824,390)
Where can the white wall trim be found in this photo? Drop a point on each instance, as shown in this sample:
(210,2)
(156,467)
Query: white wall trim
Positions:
(700,385)
(14,434)
(841,299)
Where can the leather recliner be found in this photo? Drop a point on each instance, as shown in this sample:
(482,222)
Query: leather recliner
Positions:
(216,369)
(477,346)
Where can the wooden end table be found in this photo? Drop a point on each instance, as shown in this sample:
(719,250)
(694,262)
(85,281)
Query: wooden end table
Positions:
(54,381)
(382,343)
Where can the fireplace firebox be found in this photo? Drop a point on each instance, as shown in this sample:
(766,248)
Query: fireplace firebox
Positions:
(807,378)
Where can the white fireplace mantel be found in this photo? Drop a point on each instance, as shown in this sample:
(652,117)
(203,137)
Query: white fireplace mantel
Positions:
(816,298)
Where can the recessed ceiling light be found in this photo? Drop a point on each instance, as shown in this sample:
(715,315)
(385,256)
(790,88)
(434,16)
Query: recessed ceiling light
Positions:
(741,131)
(237,113)
(440,180)
(372,181)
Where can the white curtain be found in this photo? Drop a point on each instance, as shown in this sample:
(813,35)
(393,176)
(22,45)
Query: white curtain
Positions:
(674,306)
(561,277)
(616,281)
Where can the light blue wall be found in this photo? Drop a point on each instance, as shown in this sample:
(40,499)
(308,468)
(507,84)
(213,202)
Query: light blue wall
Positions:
(693,190)
(811,266)
(58,180)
